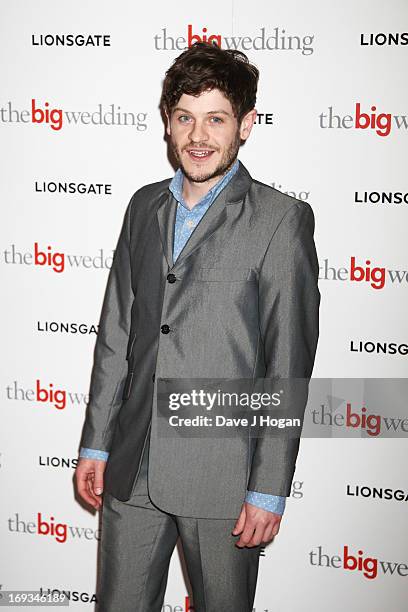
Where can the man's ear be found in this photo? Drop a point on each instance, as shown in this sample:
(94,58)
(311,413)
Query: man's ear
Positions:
(246,124)
(168,131)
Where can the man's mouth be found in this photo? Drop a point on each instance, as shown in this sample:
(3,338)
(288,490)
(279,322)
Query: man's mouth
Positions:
(200,154)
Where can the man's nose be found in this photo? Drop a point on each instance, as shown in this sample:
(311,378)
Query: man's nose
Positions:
(198,132)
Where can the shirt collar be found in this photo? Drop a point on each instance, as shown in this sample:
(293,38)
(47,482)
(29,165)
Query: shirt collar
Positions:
(176,186)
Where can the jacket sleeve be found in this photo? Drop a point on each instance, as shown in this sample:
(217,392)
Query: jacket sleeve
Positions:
(289,301)
(110,366)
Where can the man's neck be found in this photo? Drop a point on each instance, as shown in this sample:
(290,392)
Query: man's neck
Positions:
(193,192)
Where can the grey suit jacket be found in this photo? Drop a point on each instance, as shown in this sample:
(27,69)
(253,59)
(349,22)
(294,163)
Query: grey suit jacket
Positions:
(245,304)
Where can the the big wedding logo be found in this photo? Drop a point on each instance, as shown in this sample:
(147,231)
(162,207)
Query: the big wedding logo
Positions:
(48,527)
(51,258)
(300,195)
(44,113)
(46,394)
(358,562)
(363,272)
(275,39)
(365,118)
(359,419)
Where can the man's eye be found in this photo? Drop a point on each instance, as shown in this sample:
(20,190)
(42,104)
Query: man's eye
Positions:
(186,118)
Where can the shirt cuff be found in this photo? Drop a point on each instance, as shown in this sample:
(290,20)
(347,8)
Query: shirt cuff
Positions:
(91,453)
(272,503)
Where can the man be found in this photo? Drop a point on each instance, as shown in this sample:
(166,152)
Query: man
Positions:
(214,276)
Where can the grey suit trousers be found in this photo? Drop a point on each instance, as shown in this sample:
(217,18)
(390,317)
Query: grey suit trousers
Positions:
(137,542)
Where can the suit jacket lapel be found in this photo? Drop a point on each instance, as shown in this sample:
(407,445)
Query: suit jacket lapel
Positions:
(166,217)
(214,217)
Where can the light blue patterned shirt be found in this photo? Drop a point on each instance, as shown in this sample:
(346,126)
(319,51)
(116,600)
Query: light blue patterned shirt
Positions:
(186,221)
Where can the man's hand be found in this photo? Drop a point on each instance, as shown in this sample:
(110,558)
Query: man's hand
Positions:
(89,480)
(256,525)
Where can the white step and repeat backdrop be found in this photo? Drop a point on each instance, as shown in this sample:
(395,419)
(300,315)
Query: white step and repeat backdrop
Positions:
(80,132)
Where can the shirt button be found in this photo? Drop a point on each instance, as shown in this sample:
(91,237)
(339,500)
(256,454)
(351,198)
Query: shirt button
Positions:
(165,329)
(171,278)
(190,223)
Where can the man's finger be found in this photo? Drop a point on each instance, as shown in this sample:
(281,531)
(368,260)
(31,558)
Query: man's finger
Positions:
(268,533)
(89,477)
(239,525)
(276,528)
(98,479)
(258,535)
(246,534)
(91,491)
(83,488)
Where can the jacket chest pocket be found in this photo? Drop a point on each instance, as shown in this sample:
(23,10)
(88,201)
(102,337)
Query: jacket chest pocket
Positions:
(224,275)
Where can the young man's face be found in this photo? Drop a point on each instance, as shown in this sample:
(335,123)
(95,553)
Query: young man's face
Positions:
(205,135)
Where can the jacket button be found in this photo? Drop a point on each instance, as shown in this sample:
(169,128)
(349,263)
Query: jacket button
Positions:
(153,376)
(171,278)
(165,329)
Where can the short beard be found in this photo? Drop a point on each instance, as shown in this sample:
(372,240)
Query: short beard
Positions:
(225,163)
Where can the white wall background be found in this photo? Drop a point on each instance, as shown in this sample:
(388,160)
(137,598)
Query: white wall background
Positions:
(325,166)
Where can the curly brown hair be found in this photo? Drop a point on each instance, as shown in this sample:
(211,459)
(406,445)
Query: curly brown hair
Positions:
(206,66)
